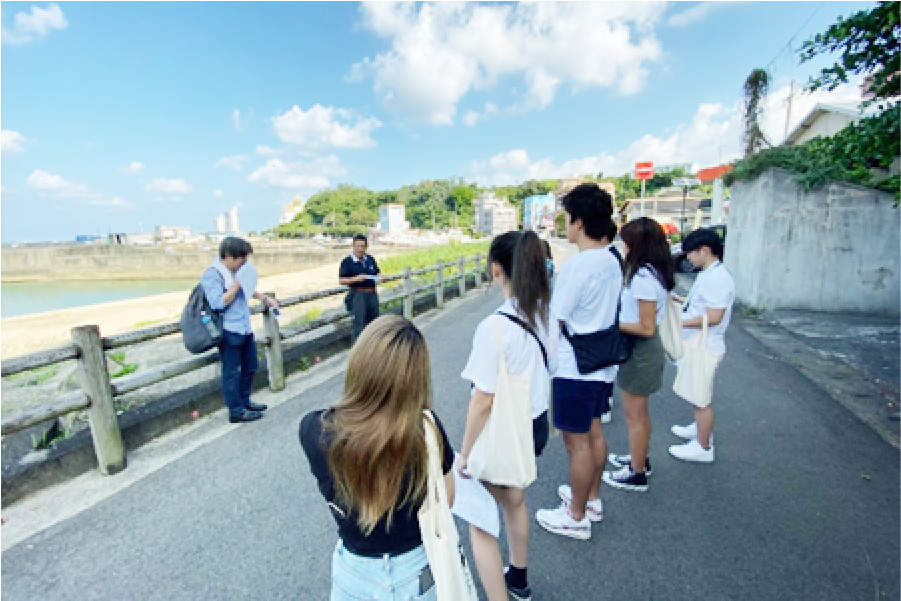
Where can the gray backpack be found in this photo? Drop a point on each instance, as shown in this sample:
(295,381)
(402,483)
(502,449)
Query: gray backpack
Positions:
(201,327)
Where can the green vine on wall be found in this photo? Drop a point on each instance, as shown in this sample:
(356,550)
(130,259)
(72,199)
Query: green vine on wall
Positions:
(860,154)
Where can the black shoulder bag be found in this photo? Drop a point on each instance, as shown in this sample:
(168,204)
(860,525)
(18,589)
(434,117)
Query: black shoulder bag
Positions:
(600,349)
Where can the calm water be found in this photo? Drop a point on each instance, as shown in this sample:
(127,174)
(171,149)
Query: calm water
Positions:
(25,298)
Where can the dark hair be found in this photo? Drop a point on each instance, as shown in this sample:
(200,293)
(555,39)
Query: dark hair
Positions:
(703,237)
(611,231)
(232,246)
(648,247)
(546,246)
(593,206)
(361,237)
(523,262)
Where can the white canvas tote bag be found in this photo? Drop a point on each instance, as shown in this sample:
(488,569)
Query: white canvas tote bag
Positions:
(695,370)
(453,579)
(504,452)
(671,331)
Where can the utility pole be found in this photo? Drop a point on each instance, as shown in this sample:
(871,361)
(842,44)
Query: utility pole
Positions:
(788,113)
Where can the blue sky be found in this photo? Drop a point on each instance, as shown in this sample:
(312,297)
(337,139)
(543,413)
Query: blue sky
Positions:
(122,115)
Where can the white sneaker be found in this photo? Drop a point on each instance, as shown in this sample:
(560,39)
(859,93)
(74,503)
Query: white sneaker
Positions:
(689,432)
(606,418)
(692,451)
(559,521)
(594,509)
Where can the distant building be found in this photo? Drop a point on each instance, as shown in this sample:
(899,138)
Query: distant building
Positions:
(493,215)
(172,233)
(291,210)
(123,238)
(87,238)
(392,218)
(687,168)
(227,223)
(538,211)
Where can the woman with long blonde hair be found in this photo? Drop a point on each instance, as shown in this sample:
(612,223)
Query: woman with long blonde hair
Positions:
(368,454)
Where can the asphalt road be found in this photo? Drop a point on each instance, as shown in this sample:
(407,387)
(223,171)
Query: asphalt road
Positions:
(802,503)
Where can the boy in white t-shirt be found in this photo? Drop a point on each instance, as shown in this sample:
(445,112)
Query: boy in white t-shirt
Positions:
(584,301)
(713,293)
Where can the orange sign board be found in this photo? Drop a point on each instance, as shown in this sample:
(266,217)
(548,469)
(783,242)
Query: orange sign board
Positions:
(644,170)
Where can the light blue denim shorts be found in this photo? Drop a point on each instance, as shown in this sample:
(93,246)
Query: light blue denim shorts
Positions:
(385,578)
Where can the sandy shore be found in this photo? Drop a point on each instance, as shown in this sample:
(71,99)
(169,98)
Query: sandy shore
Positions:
(28,333)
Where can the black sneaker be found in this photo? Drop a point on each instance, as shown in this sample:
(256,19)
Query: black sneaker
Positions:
(626,461)
(626,479)
(246,416)
(518,594)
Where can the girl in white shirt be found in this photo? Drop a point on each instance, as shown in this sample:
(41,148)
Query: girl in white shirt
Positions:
(648,269)
(516,263)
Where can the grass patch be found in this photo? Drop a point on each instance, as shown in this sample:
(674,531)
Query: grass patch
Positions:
(309,315)
(149,322)
(38,375)
(304,363)
(124,368)
(428,257)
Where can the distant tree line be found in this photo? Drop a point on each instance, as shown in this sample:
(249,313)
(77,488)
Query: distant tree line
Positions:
(434,204)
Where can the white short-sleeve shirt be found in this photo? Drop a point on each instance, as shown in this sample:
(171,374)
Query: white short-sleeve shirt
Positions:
(521,354)
(585,296)
(644,286)
(713,288)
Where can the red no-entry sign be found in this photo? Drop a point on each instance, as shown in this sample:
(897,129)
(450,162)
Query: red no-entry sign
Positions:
(644,170)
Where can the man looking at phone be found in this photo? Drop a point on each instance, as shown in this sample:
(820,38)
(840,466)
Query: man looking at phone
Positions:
(360,271)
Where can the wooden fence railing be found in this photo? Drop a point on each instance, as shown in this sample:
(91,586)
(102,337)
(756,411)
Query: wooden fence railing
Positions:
(97,391)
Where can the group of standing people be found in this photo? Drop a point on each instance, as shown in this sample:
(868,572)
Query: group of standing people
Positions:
(368,452)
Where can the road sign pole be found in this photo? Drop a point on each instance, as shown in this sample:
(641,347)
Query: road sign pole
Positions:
(642,198)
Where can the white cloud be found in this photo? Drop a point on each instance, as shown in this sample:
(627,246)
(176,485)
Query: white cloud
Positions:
(111,202)
(236,119)
(267,151)
(324,128)
(691,15)
(711,137)
(56,185)
(11,141)
(441,52)
(234,162)
(169,186)
(37,24)
(309,176)
(133,167)
(218,193)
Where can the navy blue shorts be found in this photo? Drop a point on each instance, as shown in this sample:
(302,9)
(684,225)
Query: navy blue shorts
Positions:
(541,431)
(578,402)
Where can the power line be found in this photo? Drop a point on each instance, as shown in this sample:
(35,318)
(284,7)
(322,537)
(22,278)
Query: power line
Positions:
(788,44)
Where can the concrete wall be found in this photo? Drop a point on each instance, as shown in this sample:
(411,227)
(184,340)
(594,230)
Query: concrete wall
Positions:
(114,262)
(832,249)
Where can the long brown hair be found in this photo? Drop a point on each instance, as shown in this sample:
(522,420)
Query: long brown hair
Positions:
(522,260)
(378,441)
(648,246)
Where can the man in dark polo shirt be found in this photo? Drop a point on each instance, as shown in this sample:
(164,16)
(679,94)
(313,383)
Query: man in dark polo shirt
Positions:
(360,271)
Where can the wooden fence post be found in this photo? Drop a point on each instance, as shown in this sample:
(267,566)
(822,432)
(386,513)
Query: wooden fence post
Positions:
(439,290)
(478,269)
(94,378)
(408,293)
(462,281)
(274,360)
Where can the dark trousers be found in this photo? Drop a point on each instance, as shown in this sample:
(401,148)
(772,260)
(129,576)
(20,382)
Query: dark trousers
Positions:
(364,306)
(238,354)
